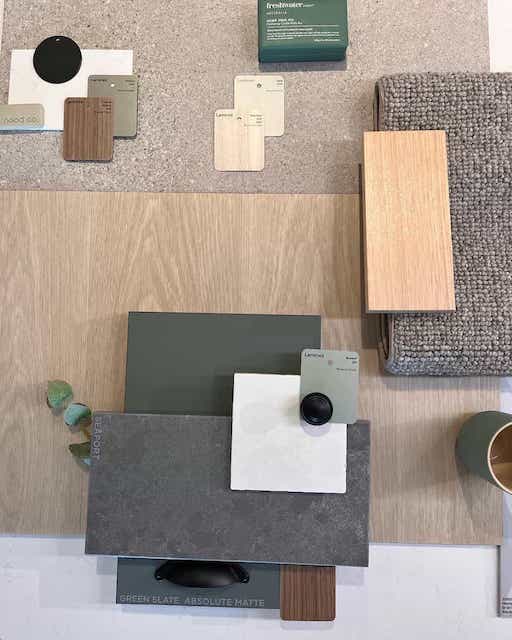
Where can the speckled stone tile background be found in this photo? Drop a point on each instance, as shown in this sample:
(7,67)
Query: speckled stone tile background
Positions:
(187,53)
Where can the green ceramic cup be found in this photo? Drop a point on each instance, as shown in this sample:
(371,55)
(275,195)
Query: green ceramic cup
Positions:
(484,445)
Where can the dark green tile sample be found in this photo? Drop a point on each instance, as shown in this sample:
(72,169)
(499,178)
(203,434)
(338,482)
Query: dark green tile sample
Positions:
(183,363)
(136,584)
(159,487)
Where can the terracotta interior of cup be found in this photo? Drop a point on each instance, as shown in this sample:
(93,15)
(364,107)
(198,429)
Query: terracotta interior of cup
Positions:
(501,457)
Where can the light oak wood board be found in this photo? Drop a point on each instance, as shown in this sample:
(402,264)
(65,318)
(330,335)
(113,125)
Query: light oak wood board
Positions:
(407,227)
(74,264)
(88,129)
(239,141)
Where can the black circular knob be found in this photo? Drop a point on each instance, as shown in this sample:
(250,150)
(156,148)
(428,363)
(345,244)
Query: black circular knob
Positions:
(316,409)
(57,59)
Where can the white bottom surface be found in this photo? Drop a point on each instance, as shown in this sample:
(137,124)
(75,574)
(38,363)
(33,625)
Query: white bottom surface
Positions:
(50,590)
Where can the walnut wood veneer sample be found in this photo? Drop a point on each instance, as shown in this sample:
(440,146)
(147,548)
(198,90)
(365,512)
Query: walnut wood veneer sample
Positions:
(407,242)
(88,129)
(308,593)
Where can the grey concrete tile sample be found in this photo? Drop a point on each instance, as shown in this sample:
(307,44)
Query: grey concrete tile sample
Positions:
(159,487)
(187,58)
(136,584)
(184,363)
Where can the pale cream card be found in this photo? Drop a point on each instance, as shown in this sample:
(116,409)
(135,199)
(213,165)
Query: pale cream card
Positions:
(26,87)
(264,93)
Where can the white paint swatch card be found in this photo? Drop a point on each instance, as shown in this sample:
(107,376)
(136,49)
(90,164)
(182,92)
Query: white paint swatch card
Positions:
(239,141)
(271,449)
(265,93)
(26,87)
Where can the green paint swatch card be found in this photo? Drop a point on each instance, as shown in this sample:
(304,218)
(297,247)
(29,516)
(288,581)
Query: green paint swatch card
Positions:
(124,92)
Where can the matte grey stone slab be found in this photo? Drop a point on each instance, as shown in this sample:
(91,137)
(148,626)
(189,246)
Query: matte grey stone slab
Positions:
(136,584)
(159,487)
(187,54)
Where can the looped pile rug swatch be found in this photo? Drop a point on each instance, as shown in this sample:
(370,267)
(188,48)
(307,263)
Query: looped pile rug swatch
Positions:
(475,110)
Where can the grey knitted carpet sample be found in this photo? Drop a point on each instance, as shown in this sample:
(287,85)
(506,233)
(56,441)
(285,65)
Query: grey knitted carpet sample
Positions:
(476,112)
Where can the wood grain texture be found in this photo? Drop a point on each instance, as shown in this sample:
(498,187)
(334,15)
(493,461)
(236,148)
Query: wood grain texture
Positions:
(88,129)
(239,141)
(74,264)
(308,593)
(408,244)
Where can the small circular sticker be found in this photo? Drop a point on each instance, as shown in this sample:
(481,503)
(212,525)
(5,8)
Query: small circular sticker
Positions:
(57,59)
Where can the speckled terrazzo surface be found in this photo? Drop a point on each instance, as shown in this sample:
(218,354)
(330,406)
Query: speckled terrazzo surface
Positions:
(187,53)
(156,490)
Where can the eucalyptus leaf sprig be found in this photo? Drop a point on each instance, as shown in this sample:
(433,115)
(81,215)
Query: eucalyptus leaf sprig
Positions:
(77,416)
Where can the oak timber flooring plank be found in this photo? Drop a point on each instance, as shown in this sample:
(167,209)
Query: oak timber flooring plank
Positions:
(408,243)
(43,293)
(308,593)
(75,264)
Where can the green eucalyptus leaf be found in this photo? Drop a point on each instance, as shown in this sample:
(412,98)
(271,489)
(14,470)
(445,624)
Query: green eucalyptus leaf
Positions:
(77,414)
(59,394)
(82,452)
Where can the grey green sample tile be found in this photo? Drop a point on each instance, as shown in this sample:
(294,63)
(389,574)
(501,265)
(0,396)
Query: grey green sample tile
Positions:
(159,487)
(184,363)
(136,584)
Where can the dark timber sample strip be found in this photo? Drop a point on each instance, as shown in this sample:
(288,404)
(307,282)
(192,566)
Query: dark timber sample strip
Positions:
(88,129)
(308,593)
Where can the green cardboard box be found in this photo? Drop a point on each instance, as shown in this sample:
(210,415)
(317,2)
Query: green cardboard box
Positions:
(308,31)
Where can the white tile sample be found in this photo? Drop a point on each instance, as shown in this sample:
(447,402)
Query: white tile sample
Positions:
(500,35)
(26,87)
(265,93)
(505,573)
(272,450)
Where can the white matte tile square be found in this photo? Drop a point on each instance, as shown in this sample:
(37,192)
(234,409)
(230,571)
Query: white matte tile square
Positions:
(272,450)
(26,87)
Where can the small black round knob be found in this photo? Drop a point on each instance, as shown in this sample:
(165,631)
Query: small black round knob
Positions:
(316,409)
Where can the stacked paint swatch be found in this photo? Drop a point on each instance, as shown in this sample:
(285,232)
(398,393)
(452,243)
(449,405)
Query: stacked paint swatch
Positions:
(240,132)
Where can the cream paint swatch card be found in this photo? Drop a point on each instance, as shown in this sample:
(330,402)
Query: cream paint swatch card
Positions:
(26,87)
(264,93)
(239,141)
(272,450)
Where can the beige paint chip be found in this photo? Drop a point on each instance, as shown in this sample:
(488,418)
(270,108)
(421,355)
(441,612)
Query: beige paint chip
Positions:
(264,93)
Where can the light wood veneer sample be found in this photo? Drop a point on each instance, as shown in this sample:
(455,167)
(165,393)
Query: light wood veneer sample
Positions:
(407,243)
(74,264)
(308,593)
(88,129)
(239,141)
